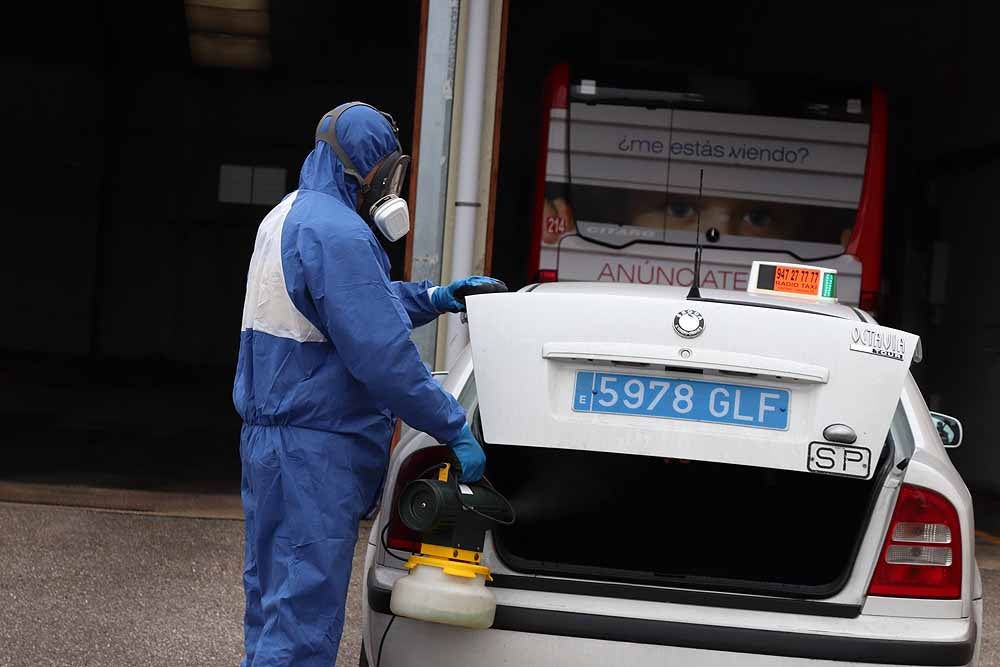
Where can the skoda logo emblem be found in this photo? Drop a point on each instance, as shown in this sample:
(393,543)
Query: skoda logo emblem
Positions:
(689,323)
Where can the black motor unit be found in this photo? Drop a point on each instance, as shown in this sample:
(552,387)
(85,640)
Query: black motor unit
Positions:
(453,515)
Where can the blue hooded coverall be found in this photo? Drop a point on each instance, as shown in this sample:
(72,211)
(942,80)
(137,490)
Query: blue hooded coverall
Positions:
(325,365)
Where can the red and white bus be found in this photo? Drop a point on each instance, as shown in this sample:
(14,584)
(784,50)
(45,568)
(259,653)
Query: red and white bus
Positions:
(793,176)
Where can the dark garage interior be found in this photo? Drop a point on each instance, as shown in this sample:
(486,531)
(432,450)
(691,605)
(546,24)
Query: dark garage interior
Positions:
(139,167)
(129,269)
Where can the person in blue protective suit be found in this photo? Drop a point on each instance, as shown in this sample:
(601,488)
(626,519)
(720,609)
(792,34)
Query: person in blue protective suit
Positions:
(325,366)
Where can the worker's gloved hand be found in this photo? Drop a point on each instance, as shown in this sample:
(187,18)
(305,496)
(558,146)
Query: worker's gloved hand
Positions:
(451,298)
(469,455)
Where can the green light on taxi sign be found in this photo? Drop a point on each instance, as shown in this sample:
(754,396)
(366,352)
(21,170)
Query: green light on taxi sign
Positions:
(829,285)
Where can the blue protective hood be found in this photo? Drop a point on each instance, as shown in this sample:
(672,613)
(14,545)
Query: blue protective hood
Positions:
(367,139)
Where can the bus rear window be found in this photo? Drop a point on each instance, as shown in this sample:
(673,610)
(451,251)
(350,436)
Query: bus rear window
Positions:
(761,177)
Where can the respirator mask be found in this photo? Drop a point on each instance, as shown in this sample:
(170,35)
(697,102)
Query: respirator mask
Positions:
(379,204)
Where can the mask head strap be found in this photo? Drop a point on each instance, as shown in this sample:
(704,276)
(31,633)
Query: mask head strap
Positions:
(329,135)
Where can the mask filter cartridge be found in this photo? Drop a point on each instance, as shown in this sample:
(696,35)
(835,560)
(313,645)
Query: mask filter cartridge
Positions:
(391,216)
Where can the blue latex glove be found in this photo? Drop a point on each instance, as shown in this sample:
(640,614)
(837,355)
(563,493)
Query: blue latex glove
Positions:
(470,456)
(451,298)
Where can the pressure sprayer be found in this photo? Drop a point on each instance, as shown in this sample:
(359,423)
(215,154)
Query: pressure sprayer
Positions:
(446,582)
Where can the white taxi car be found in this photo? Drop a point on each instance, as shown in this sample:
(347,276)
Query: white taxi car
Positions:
(751,479)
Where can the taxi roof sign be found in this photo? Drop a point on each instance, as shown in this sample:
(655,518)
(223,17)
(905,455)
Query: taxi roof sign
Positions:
(801,281)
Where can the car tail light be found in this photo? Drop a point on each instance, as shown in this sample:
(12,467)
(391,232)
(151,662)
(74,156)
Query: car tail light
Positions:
(548,276)
(922,554)
(422,463)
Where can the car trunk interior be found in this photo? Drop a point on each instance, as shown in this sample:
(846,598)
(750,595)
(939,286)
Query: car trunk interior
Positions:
(695,524)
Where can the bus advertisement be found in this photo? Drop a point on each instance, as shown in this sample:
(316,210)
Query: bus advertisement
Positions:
(780,180)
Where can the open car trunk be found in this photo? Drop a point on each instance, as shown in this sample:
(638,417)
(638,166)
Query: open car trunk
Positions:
(695,524)
(746,456)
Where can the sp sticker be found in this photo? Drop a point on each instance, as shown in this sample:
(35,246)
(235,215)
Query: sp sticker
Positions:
(842,460)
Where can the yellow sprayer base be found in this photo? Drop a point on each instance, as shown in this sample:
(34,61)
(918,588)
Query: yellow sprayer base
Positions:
(456,562)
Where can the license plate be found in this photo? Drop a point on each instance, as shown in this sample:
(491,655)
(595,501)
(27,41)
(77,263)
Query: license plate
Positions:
(675,398)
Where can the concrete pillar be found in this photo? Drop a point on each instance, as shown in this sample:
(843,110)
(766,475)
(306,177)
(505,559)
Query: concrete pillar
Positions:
(452,327)
(435,123)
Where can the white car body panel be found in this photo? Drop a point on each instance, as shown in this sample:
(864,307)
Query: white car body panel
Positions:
(920,460)
(871,626)
(456,647)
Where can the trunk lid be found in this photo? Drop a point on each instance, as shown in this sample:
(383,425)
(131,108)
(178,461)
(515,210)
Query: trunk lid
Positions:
(755,386)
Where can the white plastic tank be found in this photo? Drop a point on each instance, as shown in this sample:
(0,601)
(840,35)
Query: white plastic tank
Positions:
(428,593)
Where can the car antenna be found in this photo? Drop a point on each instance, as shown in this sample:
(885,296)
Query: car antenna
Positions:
(695,292)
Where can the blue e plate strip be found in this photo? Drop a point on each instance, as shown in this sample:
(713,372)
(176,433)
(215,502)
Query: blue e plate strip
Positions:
(584,391)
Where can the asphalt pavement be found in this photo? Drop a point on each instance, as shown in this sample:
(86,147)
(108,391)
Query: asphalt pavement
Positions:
(86,588)
(990,651)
